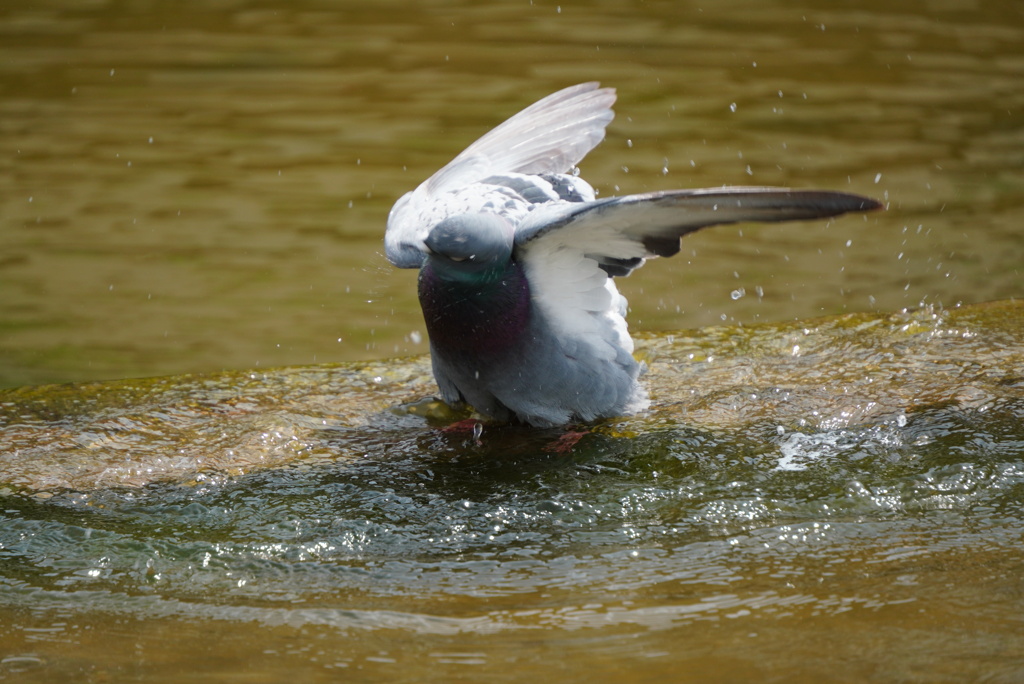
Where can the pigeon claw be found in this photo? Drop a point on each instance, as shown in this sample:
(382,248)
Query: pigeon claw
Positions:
(565,443)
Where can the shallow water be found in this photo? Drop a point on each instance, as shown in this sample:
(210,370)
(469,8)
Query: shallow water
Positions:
(202,186)
(837,499)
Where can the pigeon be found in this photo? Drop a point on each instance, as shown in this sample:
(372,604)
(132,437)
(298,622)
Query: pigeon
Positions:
(517,258)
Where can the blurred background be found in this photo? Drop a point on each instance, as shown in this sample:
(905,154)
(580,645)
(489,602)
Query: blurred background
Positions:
(195,186)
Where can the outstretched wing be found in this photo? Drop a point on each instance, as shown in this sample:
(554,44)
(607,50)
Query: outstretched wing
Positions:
(548,137)
(570,250)
(620,232)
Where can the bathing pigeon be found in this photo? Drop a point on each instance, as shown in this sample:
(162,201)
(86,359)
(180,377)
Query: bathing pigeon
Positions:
(517,258)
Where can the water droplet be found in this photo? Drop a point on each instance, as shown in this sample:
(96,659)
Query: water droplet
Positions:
(732,107)
(738,293)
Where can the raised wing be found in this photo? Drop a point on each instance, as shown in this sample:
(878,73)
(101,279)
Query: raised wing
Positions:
(570,250)
(548,137)
(620,232)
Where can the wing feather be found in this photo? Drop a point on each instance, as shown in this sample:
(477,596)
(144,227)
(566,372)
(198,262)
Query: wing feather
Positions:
(548,137)
(620,229)
(570,250)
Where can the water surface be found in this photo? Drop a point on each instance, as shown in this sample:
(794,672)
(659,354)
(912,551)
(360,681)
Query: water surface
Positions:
(203,186)
(836,499)
(196,187)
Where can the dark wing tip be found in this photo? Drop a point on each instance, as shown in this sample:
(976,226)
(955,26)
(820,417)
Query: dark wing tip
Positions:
(785,204)
(846,202)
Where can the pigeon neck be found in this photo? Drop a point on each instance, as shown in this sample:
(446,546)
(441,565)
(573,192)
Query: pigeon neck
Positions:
(481,312)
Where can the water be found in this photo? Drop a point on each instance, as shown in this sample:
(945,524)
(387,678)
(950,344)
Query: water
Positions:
(192,187)
(837,492)
(204,187)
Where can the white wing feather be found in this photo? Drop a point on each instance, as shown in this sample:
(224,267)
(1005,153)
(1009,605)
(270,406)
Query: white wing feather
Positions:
(548,137)
(563,246)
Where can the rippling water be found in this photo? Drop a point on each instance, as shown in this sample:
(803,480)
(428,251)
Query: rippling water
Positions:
(840,493)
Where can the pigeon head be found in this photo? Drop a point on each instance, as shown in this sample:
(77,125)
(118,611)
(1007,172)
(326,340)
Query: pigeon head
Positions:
(470,244)
(474,295)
